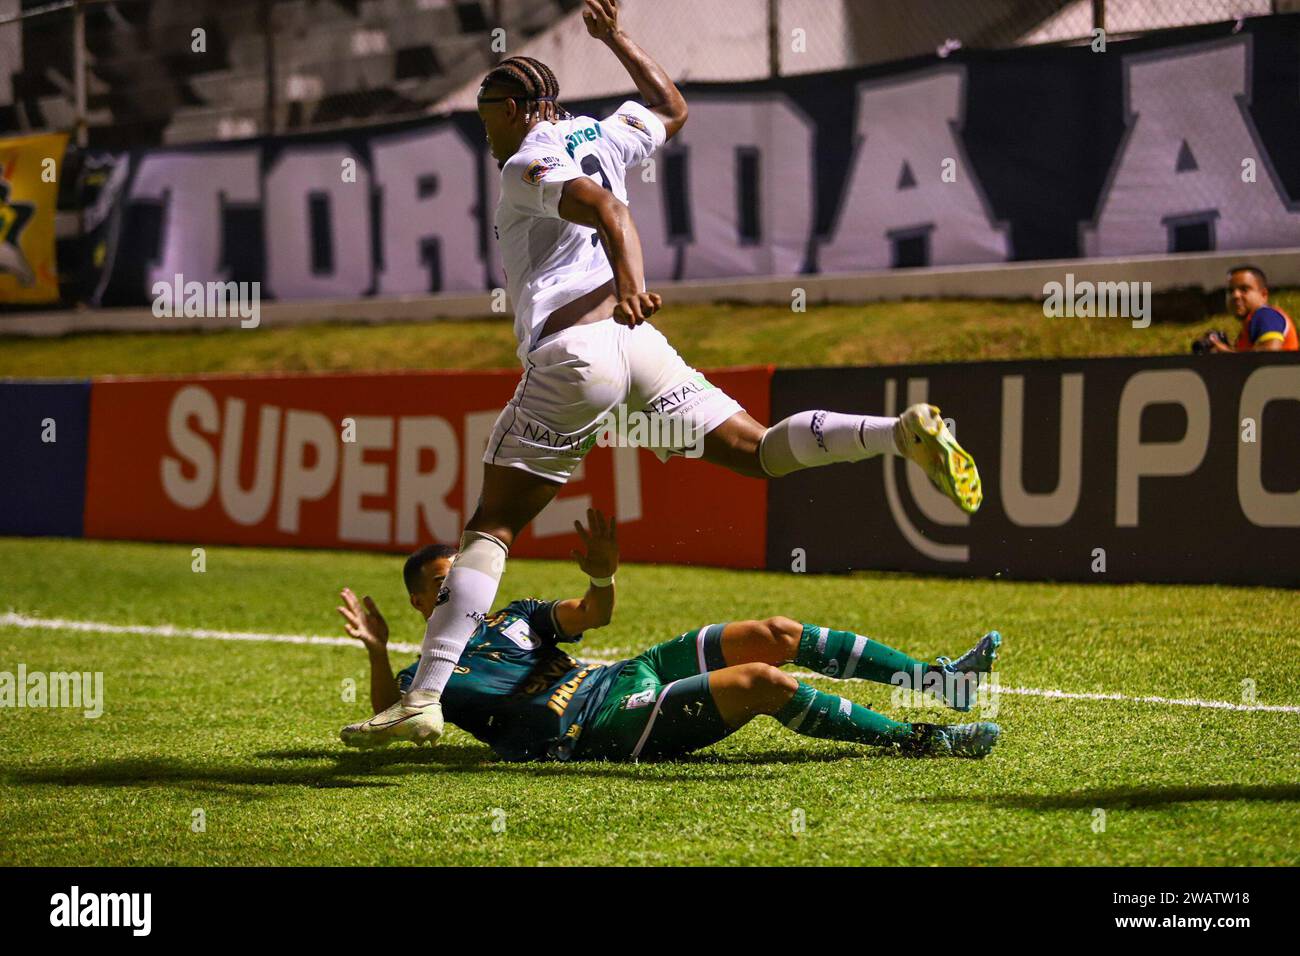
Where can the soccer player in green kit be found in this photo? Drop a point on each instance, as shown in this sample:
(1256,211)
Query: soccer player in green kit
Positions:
(515,690)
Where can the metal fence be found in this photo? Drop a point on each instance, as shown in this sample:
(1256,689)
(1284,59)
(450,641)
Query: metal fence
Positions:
(140,72)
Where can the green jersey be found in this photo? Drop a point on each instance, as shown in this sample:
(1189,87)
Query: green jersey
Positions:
(516,691)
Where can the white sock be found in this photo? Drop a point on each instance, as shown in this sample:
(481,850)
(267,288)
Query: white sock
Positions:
(471,587)
(814,438)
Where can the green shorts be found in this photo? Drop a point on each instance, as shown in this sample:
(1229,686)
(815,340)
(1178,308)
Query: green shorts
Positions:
(659,704)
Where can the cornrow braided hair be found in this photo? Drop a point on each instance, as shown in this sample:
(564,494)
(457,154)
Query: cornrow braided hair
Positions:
(534,80)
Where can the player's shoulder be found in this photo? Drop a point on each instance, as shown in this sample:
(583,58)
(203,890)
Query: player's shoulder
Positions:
(542,139)
(519,607)
(637,117)
(561,129)
(540,614)
(537,157)
(556,131)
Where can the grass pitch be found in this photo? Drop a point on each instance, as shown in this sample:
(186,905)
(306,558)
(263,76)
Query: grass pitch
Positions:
(877,333)
(245,731)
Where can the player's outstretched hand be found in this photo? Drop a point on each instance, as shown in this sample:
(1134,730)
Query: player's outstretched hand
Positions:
(632,310)
(601,18)
(363,620)
(601,539)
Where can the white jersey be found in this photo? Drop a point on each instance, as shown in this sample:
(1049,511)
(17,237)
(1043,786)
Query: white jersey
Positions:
(549,261)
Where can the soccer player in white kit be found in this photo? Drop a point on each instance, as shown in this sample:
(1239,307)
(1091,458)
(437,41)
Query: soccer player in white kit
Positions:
(573,263)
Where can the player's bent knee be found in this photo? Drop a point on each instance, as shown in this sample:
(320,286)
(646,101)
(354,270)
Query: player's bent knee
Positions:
(740,433)
(486,521)
(781,681)
(502,533)
(734,445)
(771,688)
(784,634)
(762,677)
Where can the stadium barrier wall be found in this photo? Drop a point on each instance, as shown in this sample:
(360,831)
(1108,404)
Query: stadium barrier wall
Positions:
(44,429)
(264,460)
(1143,469)
(1201,271)
(1180,141)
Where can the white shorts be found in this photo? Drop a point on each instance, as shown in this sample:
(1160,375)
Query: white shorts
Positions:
(579,382)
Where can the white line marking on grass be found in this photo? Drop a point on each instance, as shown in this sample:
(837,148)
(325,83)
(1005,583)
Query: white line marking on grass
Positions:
(14,619)
(1071,695)
(26,621)
(1176,701)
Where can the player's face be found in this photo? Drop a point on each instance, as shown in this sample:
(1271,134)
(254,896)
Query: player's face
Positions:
(432,575)
(1245,294)
(500,117)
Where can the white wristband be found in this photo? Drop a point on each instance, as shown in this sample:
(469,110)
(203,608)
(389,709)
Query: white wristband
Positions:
(601,582)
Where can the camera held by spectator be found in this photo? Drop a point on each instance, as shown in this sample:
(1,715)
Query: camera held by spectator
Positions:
(1206,343)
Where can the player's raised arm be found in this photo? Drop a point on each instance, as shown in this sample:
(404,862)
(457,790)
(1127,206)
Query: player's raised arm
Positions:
(364,622)
(659,93)
(596,607)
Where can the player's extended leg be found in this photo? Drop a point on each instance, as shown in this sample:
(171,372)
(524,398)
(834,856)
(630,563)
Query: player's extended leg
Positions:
(745,691)
(511,499)
(688,713)
(665,386)
(814,438)
(844,655)
(702,686)
(571,382)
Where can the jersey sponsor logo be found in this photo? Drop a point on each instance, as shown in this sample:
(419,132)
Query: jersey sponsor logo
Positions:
(559,701)
(519,632)
(538,169)
(633,122)
(677,397)
(564,444)
(587,134)
(545,674)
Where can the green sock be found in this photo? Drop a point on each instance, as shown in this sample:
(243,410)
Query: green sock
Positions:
(814,714)
(844,654)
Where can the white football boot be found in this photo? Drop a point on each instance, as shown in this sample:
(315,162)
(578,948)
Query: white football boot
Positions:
(417,717)
(922,436)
